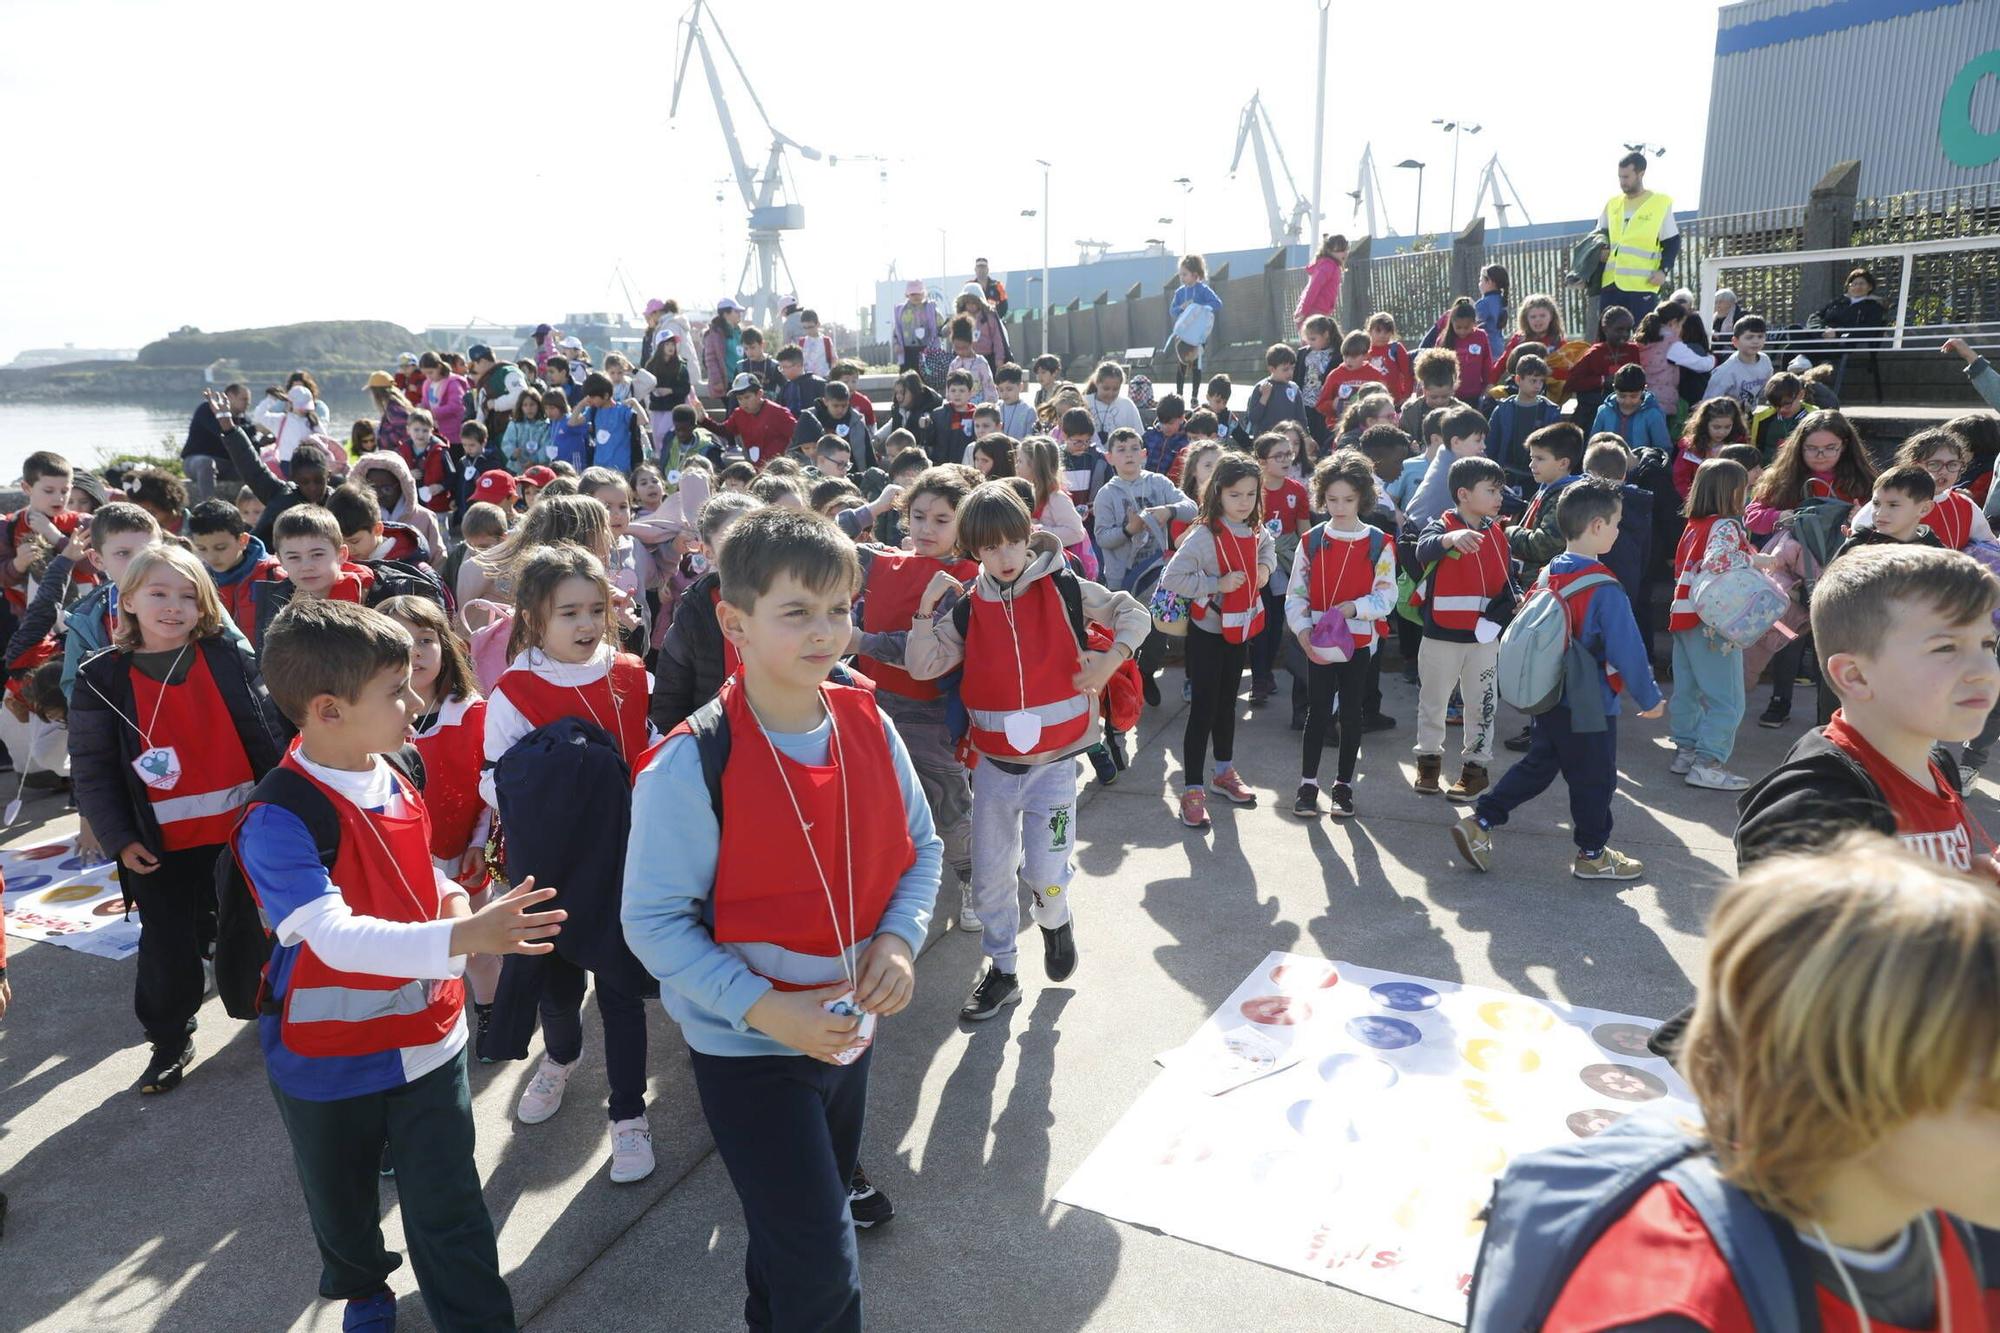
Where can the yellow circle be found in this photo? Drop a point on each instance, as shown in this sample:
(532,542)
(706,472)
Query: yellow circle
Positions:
(73,893)
(1515,1016)
(1499,1057)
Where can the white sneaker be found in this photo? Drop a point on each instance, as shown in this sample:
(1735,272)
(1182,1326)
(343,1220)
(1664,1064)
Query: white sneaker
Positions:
(208,968)
(544,1096)
(968,920)
(1683,761)
(1967,775)
(631,1150)
(1716,778)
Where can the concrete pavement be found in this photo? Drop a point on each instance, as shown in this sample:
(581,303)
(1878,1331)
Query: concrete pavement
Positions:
(182,1212)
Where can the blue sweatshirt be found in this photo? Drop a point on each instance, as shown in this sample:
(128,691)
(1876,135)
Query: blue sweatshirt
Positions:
(670,873)
(1508,427)
(1646,428)
(1611,635)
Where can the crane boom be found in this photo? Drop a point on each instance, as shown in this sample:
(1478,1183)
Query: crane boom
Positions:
(1257,130)
(746,182)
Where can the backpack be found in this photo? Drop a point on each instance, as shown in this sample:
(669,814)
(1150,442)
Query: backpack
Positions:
(709,726)
(1194,324)
(1536,648)
(242,939)
(1739,606)
(1551,1206)
(406,578)
(1817,526)
(1140,390)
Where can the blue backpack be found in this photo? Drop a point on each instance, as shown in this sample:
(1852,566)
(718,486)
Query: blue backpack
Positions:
(1551,1206)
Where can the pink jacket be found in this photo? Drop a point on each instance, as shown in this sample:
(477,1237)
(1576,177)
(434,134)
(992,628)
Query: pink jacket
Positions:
(446,400)
(1322,293)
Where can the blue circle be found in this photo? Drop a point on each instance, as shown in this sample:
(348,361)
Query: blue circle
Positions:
(26,882)
(1407,996)
(80,863)
(1360,1073)
(1384,1034)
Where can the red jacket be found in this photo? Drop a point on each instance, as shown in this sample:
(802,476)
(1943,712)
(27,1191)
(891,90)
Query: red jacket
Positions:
(239,597)
(765,434)
(1340,385)
(894,585)
(1593,370)
(211,781)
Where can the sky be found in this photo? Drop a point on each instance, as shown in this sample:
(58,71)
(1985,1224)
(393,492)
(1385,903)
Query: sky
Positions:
(236,163)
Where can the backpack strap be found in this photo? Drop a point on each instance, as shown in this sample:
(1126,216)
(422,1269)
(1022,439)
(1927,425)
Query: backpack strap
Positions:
(1071,592)
(709,725)
(409,762)
(1763,1252)
(1587,582)
(294,792)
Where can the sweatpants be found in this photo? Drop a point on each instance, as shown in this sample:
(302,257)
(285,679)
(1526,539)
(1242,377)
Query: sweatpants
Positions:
(337,1148)
(1472,668)
(1349,680)
(1022,824)
(176,931)
(1214,672)
(947,789)
(1587,761)
(788,1128)
(624,1031)
(1707,703)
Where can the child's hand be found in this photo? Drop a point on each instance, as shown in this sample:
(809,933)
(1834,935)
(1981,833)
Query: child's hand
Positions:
(1657,710)
(941,583)
(1136,521)
(44,527)
(888,976)
(138,860)
(6,996)
(78,544)
(1231,581)
(1096,672)
(798,1020)
(88,849)
(505,925)
(1465,539)
(471,863)
(1263,575)
(1346,609)
(1958,347)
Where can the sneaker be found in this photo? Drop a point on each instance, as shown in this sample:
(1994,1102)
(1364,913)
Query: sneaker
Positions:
(1262,688)
(1100,759)
(167,1068)
(1607,864)
(968,920)
(1519,743)
(1429,768)
(1472,779)
(1058,951)
(1715,777)
(482,1019)
(1967,775)
(1187,690)
(1194,808)
(1454,715)
(1775,715)
(631,1150)
(1410,673)
(1114,741)
(995,991)
(1378,722)
(1340,800)
(370,1314)
(1229,785)
(1474,843)
(868,1206)
(1306,804)
(388,1168)
(544,1096)
(1148,687)
(1683,761)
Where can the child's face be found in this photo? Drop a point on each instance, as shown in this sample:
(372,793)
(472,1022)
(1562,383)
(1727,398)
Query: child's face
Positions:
(1899,515)
(387,488)
(933,525)
(1538,320)
(1822,450)
(116,554)
(531,407)
(834,462)
(483,541)
(1077,444)
(312,561)
(378,719)
(251,511)
(961,348)
(80,500)
(574,623)
(1466,446)
(1629,400)
(1354,362)
(1617,332)
(1318,338)
(1189,277)
(1045,377)
(218,550)
(1282,373)
(1462,324)
(1218,403)
(426,655)
(982,462)
(1600,536)
(1239,500)
(166,607)
(791,370)
(793,635)
(985,423)
(1929,678)
(1480,501)
(1204,468)
(1379,335)
(1946,466)
(810,327)
(958,395)
(617,502)
(1437,395)
(1546,467)
(1388,465)
(1009,391)
(1529,387)
(420,435)
(529,494)
(1341,503)
(1750,346)
(1276,463)
(1107,389)
(1720,427)
(753,349)
(1003,563)
(651,491)
(49,495)
(1128,457)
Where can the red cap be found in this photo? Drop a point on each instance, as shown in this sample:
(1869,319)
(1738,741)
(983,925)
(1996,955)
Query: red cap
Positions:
(495,487)
(539,475)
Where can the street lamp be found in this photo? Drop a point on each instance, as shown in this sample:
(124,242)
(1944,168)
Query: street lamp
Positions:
(1045,254)
(1454,128)
(1417,227)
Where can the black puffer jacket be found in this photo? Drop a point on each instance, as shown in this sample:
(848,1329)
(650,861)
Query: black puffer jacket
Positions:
(689,669)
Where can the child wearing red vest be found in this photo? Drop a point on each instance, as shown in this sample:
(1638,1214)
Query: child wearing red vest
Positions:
(1030,693)
(237,562)
(169,729)
(1707,706)
(565,665)
(1346,569)
(362,1026)
(313,553)
(42,525)
(775,929)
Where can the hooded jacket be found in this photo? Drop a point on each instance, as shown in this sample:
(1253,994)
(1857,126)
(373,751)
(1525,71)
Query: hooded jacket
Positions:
(408,511)
(690,666)
(1819,791)
(815,421)
(234,587)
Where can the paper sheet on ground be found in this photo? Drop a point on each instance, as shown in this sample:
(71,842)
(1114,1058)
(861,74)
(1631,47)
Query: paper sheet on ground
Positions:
(1365,1160)
(54,896)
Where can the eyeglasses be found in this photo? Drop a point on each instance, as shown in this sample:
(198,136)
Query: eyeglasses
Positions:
(1945,467)
(1825,449)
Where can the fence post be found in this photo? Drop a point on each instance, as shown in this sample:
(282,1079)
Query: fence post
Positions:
(1356,298)
(1468,256)
(1219,281)
(1132,315)
(1097,305)
(1829,223)
(1070,322)
(1279,315)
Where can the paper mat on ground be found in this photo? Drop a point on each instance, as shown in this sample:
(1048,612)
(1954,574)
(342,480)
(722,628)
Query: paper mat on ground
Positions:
(55,896)
(1366,1161)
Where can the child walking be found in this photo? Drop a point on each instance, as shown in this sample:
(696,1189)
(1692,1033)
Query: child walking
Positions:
(1707,704)
(1344,568)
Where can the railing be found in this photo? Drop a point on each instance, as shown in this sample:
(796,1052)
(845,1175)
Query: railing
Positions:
(1946,287)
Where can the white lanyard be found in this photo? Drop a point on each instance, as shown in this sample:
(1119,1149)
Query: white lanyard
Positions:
(1854,1292)
(1014,634)
(146,732)
(805,829)
(396,791)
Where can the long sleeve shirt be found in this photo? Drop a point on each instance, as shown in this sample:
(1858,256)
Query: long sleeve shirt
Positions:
(1285,402)
(1611,635)
(1124,551)
(1373,605)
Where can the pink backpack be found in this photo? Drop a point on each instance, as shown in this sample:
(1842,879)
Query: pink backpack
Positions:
(489,640)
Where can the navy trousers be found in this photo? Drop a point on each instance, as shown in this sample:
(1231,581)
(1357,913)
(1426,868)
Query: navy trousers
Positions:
(1587,761)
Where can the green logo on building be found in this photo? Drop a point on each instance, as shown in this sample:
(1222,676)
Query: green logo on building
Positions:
(1964,142)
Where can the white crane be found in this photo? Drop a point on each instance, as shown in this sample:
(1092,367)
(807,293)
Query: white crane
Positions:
(1255,128)
(1367,192)
(768,217)
(1490,180)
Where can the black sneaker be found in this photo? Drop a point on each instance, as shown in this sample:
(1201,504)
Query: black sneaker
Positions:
(995,991)
(482,1017)
(1378,722)
(388,1168)
(1058,951)
(1774,716)
(1306,804)
(1520,742)
(1341,798)
(1150,688)
(868,1206)
(1100,759)
(167,1068)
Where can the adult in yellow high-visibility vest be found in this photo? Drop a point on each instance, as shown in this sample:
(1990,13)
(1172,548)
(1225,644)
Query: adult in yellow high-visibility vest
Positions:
(1644,240)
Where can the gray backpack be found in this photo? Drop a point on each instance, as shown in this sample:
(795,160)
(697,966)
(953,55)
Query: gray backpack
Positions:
(1535,650)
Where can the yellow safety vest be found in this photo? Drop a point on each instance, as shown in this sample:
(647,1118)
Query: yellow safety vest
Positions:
(1634,255)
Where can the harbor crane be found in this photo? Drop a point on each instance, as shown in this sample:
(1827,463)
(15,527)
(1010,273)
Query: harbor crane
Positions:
(1255,129)
(1367,193)
(1490,181)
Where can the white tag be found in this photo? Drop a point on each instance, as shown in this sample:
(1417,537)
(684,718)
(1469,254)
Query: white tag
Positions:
(604,436)
(1486,631)
(13,811)
(1023,730)
(1291,392)
(841,429)
(159,767)
(673,476)
(754,453)
(864,1033)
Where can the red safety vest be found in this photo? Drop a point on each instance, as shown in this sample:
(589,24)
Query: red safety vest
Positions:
(383,870)
(1687,564)
(1951,519)
(768,896)
(1462,586)
(200,809)
(453,752)
(616,701)
(1343,571)
(239,598)
(896,583)
(1022,657)
(1237,616)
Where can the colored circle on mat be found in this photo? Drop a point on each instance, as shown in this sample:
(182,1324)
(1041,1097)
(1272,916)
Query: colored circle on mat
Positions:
(73,893)
(23,883)
(1323,1119)
(1275,1010)
(110,907)
(1305,976)
(1501,1057)
(79,863)
(1407,996)
(1592,1121)
(43,852)
(1623,1082)
(1384,1034)
(1515,1016)
(1622,1038)
(1358,1073)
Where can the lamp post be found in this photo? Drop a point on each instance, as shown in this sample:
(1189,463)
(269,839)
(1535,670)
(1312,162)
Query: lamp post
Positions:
(1454,128)
(1416,226)
(1319,128)
(1045,254)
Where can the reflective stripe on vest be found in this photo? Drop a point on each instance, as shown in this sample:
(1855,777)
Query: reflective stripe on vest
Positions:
(175,809)
(343,1004)
(1459,603)
(1634,254)
(1063,710)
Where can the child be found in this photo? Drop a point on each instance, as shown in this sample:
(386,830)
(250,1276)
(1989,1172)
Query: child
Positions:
(1707,705)
(236,561)
(1321,294)
(360,437)
(1460,433)
(1822,460)
(953,428)
(564,666)
(615,433)
(429,463)
(1167,436)
(1491,306)
(1784,407)
(798,392)
(908,463)
(315,564)
(1216,399)
(526,442)
(167,732)
(1052,475)
(992,457)
(1276,398)
(1017,418)
(1466,597)
(1286,510)
(1631,559)
(1131,513)
(695,657)
(1437,376)
(118,532)
(1084,469)
(1567,741)
(1518,416)
(368,539)
(1905,496)
(1632,413)
(248,505)
(1716,422)
(379,922)
(1953,517)
(47,517)
(1389,358)
(964,360)
(569,432)
(1317,359)
(1555,462)
(1343,381)
(1047,370)
(816,347)
(750,978)
(762,370)
(1742,376)
(1590,376)
(1192,291)
(1540,321)
(1220,567)
(1665,355)
(1346,568)
(1028,688)
(1458,332)
(1109,407)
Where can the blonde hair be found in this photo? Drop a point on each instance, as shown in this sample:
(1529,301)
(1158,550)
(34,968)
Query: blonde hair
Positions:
(1846,994)
(209,614)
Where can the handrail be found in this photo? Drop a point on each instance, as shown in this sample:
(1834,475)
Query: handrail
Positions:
(1713,267)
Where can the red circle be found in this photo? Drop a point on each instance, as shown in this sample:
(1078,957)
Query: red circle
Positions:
(1276,1010)
(43,853)
(1306,972)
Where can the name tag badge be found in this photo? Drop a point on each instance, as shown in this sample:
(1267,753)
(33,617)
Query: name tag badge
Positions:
(604,436)
(1291,392)
(1022,730)
(841,429)
(159,767)
(674,477)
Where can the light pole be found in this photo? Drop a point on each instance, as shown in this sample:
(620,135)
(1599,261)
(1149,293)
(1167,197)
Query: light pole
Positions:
(1417,226)
(944,263)
(1454,128)
(1045,254)
(1319,126)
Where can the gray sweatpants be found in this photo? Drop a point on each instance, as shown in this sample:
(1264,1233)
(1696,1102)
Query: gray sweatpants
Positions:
(947,788)
(1023,824)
